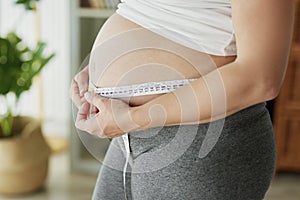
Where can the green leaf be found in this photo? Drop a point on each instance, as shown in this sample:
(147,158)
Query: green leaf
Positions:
(6,124)
(28,4)
(20,65)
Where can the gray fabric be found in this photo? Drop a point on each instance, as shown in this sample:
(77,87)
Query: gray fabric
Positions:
(240,165)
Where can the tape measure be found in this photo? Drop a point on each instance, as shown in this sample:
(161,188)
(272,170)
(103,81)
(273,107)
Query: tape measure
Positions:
(140,89)
(137,90)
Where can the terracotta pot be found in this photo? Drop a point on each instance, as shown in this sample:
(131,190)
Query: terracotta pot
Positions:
(24,158)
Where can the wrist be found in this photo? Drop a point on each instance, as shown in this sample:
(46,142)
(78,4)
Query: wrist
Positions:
(140,117)
(149,116)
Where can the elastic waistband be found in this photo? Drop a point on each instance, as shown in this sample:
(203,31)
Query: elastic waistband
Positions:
(245,114)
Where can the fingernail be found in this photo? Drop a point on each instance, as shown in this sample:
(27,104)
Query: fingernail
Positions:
(82,92)
(87,95)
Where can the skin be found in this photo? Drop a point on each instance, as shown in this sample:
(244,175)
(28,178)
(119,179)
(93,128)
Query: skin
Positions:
(144,64)
(256,75)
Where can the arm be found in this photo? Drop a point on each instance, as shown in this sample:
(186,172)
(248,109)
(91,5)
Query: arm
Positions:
(263,33)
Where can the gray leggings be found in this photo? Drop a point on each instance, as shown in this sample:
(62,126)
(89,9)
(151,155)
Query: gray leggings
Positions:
(167,162)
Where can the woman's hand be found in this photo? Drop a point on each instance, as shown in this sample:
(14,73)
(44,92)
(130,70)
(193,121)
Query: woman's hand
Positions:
(105,117)
(79,86)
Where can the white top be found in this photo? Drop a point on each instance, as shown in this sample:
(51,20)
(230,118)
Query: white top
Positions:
(203,25)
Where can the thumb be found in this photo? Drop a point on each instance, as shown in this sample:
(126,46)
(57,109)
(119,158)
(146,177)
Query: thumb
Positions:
(95,99)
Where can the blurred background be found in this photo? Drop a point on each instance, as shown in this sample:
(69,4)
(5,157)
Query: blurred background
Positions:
(57,165)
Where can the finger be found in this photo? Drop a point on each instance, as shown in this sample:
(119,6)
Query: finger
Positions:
(82,79)
(74,94)
(83,122)
(96,100)
(93,110)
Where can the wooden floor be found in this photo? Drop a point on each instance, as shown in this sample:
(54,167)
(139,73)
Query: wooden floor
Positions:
(61,185)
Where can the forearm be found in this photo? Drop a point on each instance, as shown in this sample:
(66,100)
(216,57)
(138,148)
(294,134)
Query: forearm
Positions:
(256,76)
(216,95)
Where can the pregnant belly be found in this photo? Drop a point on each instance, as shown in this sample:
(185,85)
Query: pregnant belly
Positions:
(124,53)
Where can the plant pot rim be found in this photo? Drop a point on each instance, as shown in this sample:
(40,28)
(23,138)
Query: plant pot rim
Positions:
(28,120)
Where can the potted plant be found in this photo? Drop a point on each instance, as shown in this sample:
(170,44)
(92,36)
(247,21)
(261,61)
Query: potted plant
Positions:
(24,153)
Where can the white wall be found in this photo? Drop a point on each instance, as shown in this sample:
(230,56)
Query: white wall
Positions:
(55,30)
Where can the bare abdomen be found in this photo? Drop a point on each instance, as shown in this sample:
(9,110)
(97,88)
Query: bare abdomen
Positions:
(124,53)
